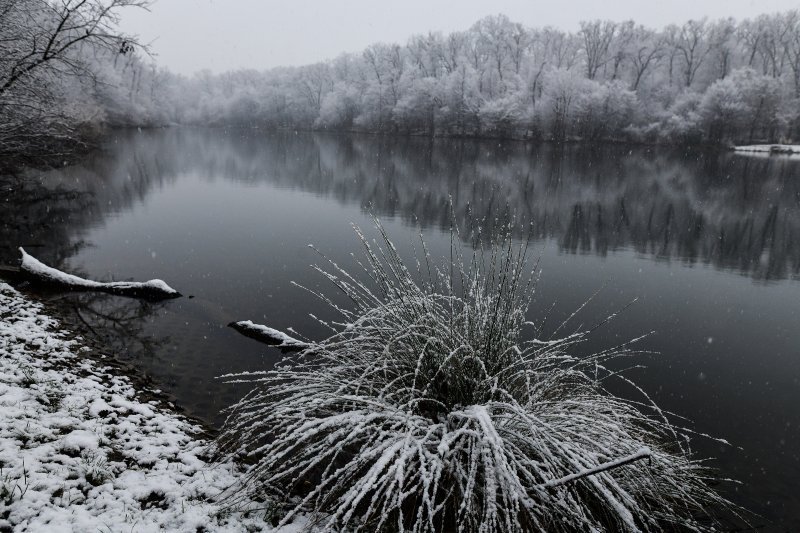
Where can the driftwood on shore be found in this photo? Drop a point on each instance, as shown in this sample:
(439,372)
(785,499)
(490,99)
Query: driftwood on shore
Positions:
(270,336)
(33,270)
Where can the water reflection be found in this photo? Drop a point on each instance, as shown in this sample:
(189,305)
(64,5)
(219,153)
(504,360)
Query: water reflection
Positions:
(729,211)
(48,212)
(120,323)
(41,219)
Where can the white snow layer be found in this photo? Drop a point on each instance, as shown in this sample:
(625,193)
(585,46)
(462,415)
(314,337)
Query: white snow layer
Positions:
(282,339)
(770,148)
(80,452)
(34,266)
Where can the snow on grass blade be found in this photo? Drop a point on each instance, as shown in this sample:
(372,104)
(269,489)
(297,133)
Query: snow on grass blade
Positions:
(268,335)
(155,288)
(644,453)
(434,408)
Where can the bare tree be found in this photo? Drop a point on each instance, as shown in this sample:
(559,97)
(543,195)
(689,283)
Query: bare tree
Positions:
(792,47)
(313,82)
(691,44)
(541,48)
(749,36)
(519,42)
(722,35)
(38,35)
(597,36)
(452,51)
(493,35)
(621,47)
(426,52)
(564,48)
(44,45)
(386,63)
(647,50)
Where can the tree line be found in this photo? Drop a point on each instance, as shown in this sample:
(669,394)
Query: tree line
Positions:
(714,81)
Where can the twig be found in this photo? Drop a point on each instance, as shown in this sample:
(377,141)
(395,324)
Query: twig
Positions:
(644,453)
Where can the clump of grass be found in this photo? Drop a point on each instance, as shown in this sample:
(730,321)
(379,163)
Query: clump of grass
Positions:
(95,468)
(434,406)
(52,396)
(28,375)
(13,487)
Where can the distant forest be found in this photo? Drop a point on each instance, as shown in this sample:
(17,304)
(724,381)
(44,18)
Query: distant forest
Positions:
(718,82)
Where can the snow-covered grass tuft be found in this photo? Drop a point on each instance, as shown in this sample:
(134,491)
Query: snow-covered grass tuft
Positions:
(435,407)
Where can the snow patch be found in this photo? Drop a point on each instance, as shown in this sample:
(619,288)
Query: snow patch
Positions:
(80,440)
(35,267)
(80,452)
(769,149)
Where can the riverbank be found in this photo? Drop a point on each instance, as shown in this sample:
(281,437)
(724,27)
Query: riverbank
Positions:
(82,450)
(769,149)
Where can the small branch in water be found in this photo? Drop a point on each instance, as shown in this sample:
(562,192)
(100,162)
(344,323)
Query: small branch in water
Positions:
(270,336)
(644,453)
(34,270)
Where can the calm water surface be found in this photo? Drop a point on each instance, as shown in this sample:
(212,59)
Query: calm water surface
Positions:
(709,243)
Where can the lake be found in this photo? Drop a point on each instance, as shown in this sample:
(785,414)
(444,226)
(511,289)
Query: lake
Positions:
(707,243)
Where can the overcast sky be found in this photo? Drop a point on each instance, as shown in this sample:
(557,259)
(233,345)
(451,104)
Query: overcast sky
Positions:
(189,35)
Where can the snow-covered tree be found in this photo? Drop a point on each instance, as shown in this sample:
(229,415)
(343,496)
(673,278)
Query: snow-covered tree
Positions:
(608,80)
(47,52)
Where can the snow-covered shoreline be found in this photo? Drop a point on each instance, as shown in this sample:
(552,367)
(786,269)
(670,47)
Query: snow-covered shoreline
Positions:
(769,149)
(79,451)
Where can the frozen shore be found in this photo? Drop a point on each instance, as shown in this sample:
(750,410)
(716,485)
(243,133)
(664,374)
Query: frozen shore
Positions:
(79,451)
(767,149)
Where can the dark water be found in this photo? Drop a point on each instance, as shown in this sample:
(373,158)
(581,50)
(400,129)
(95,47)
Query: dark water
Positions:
(709,243)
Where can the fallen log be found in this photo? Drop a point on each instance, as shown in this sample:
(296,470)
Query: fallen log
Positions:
(34,270)
(270,336)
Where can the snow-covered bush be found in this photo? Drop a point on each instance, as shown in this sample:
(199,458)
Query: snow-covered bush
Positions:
(416,111)
(435,407)
(745,106)
(682,122)
(500,116)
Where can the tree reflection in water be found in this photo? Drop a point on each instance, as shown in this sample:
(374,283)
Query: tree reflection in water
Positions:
(119,323)
(730,211)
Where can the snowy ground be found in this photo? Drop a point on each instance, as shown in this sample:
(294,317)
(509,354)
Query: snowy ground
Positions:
(80,452)
(766,149)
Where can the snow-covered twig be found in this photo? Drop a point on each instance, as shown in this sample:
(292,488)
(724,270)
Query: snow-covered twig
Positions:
(644,453)
(270,336)
(38,271)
